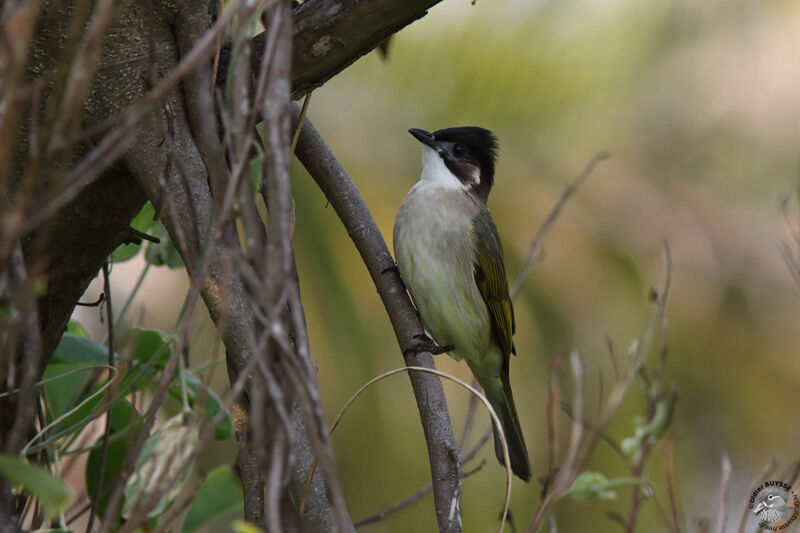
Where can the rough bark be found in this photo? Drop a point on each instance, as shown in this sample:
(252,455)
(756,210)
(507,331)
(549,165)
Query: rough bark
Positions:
(122,79)
(329,35)
(159,153)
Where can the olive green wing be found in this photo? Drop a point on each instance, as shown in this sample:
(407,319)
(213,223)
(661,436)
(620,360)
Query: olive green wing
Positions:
(490,275)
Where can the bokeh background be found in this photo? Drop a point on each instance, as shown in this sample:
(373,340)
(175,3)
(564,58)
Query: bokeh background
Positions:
(697,102)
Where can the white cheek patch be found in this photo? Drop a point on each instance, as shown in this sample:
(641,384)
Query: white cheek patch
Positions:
(434,170)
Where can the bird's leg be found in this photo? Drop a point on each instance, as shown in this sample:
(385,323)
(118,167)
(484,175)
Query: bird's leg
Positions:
(426,344)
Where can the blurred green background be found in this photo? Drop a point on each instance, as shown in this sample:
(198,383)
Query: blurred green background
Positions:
(697,103)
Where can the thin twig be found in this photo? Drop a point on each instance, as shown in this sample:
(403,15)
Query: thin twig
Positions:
(723,493)
(98,488)
(96,303)
(420,493)
(406,502)
(481,398)
(538,241)
(303,111)
(675,516)
(614,445)
(580,450)
(469,420)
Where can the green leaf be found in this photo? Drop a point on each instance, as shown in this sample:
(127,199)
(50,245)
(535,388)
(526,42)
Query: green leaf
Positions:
(256,171)
(153,347)
(76,328)
(224,428)
(632,446)
(73,359)
(121,439)
(220,493)
(125,252)
(65,392)
(164,252)
(240,526)
(77,349)
(36,481)
(595,484)
(143,222)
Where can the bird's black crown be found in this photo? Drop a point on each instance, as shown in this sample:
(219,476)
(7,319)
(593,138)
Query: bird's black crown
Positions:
(479,143)
(469,152)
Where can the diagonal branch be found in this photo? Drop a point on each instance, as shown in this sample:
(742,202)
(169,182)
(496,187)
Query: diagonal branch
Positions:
(343,195)
(329,35)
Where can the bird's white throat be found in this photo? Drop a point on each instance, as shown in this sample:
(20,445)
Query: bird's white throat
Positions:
(435,172)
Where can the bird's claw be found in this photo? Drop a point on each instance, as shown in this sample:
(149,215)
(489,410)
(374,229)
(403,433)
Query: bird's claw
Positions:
(426,344)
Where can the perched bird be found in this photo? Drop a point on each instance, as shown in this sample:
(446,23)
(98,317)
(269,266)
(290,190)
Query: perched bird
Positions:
(450,258)
(771,506)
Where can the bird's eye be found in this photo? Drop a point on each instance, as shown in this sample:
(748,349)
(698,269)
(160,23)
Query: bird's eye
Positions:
(458,149)
(770,497)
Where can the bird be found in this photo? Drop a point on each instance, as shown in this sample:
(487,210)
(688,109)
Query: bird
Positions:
(449,256)
(771,506)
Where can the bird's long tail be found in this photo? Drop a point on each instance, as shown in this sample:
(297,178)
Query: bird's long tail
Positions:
(499,395)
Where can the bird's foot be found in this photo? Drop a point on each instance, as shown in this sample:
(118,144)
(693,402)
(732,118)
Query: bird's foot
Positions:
(426,344)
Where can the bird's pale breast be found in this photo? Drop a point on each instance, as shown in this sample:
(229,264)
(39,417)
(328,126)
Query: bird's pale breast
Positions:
(434,249)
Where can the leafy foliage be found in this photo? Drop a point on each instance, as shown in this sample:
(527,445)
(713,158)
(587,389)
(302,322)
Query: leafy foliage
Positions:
(36,481)
(162,253)
(220,493)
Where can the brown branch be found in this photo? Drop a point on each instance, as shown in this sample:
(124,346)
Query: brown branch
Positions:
(20,350)
(329,35)
(112,78)
(343,195)
(129,130)
(280,286)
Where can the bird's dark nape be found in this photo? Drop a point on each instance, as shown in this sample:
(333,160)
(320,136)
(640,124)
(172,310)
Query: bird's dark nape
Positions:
(480,142)
(481,145)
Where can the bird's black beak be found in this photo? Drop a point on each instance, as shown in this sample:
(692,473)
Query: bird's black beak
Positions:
(424,137)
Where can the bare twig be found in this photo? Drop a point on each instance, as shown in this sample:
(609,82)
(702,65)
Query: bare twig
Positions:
(723,492)
(22,345)
(589,426)
(108,395)
(538,241)
(473,391)
(675,516)
(469,420)
(420,493)
(298,127)
(579,449)
(287,353)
